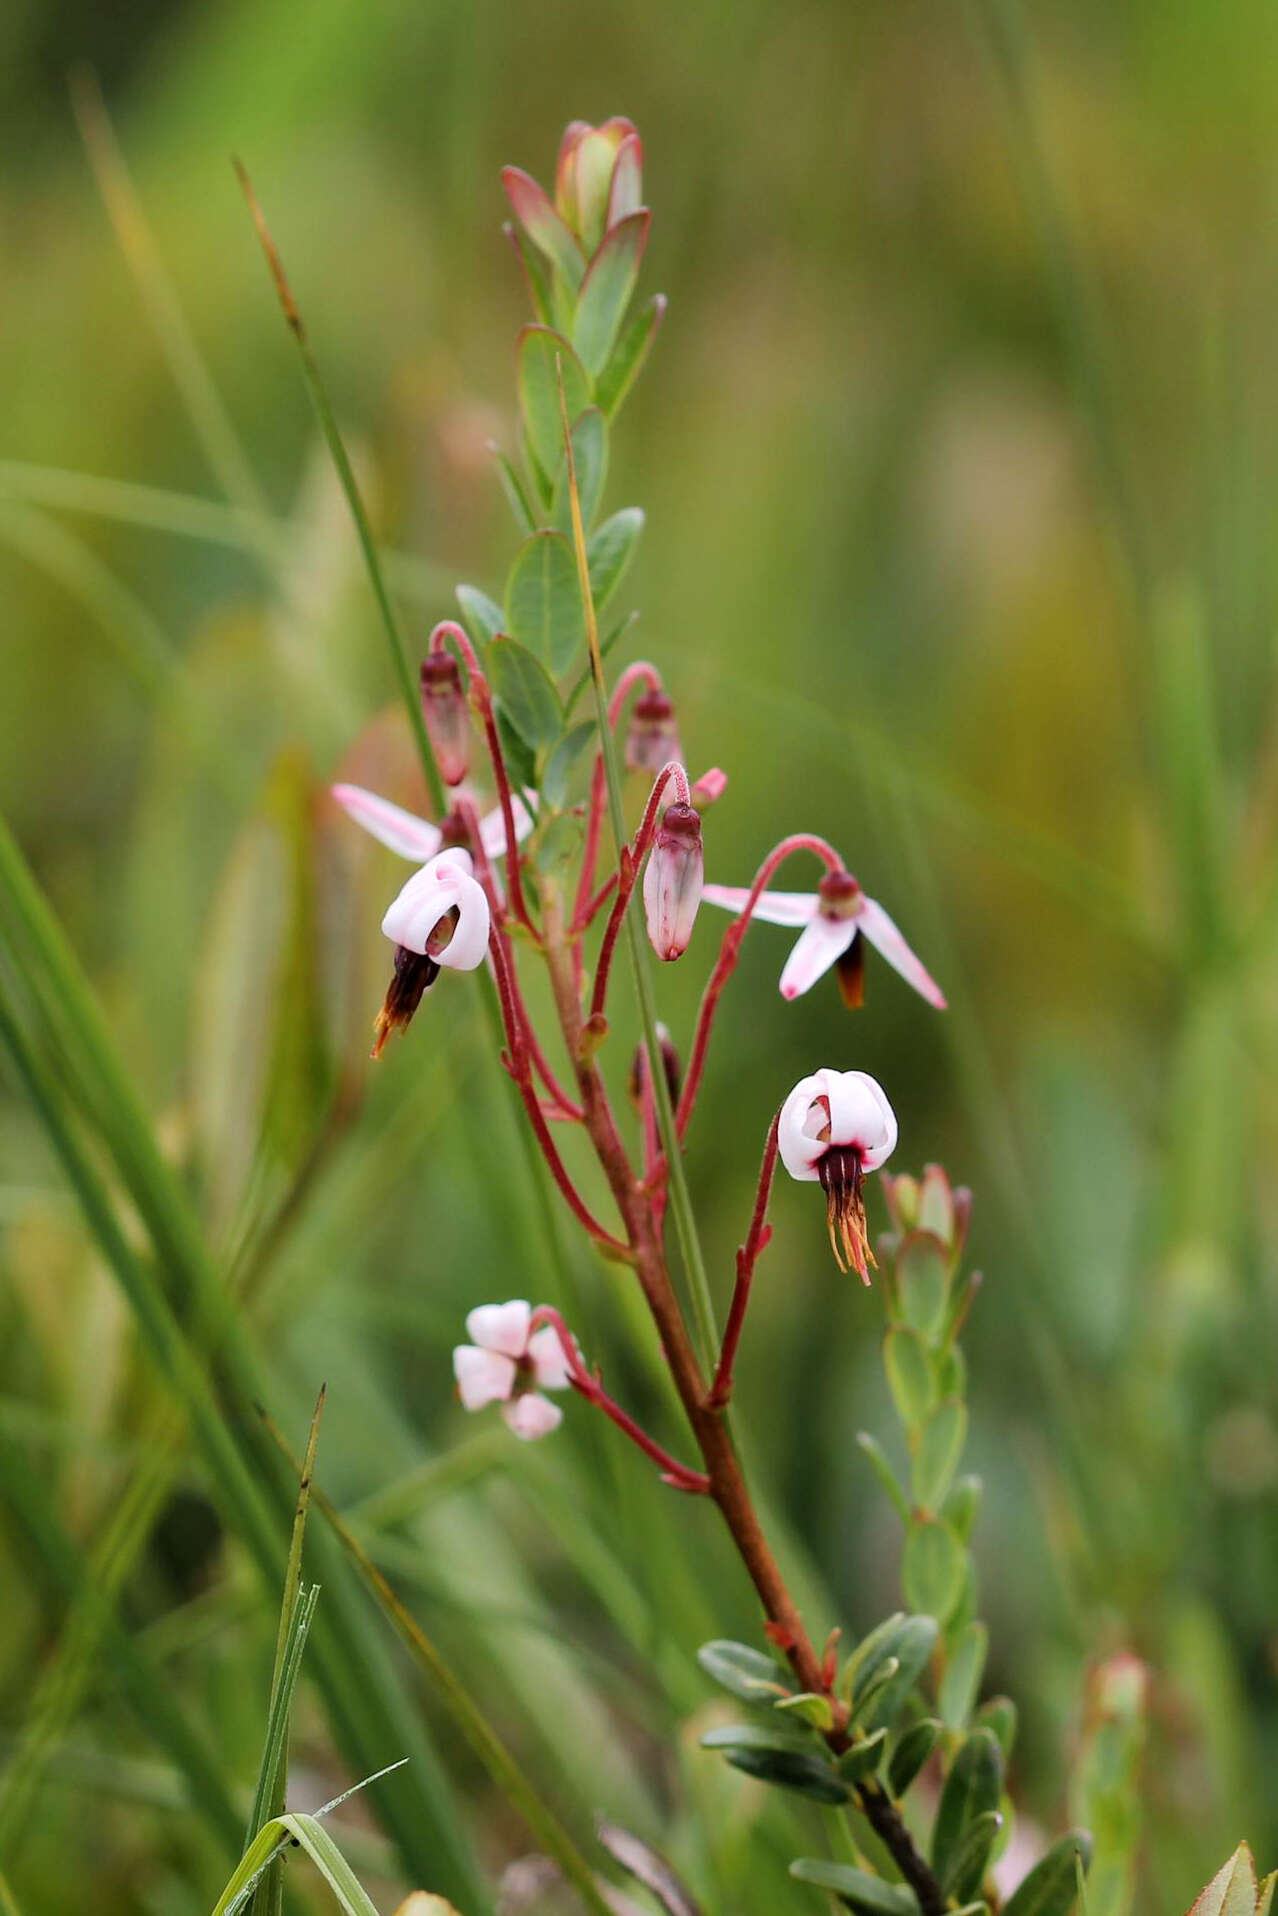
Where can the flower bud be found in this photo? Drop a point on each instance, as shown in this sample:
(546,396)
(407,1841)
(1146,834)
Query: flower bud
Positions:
(671,1066)
(652,739)
(599,177)
(447,718)
(672,881)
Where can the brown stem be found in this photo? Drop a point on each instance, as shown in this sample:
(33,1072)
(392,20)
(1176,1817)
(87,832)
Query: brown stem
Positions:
(726,1483)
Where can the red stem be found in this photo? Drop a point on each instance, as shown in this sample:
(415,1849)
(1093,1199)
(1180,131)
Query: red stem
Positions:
(632,858)
(640,670)
(747,1257)
(522,1075)
(567,1110)
(590,1386)
(728,954)
(482,699)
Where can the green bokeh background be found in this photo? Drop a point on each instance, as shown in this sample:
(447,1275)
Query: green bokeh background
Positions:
(958,458)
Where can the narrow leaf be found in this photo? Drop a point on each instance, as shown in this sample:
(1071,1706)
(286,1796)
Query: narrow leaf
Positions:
(484,617)
(1051,1887)
(911,1753)
(543,225)
(962,1678)
(525,693)
(607,289)
(939,1448)
(867,1894)
(610,551)
(744,1671)
(539,355)
(933,1569)
(884,1472)
(624,367)
(543,605)
(909,1372)
(590,453)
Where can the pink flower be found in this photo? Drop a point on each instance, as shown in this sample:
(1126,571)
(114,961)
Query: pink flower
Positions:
(836,919)
(652,738)
(416,838)
(507,1365)
(440,918)
(672,880)
(833,1128)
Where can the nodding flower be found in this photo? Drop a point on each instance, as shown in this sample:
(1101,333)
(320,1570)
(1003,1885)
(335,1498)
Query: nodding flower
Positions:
(507,1365)
(672,879)
(440,919)
(834,1127)
(838,920)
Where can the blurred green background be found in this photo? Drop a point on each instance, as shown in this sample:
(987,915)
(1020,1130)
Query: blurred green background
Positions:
(958,457)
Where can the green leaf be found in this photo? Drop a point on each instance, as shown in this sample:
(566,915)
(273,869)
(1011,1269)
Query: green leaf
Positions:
(311,1836)
(964,1875)
(811,1705)
(521,760)
(867,1894)
(1232,1890)
(525,693)
(513,487)
(623,368)
(972,1789)
(558,842)
(933,1569)
(911,1644)
(777,1757)
(999,1715)
(1051,1887)
(590,454)
(884,1472)
(909,1372)
(939,1449)
(746,1672)
(543,225)
(484,617)
(607,289)
(610,550)
(543,601)
(922,1283)
(791,1770)
(863,1758)
(951,1373)
(962,1678)
(556,780)
(962,1507)
(541,355)
(911,1753)
(533,270)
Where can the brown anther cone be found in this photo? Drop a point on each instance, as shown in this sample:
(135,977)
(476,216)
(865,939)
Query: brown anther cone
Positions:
(412,975)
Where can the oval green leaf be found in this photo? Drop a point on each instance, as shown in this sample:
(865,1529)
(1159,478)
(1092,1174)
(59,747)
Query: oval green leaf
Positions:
(909,1371)
(1051,1888)
(524,693)
(940,1446)
(543,601)
(867,1894)
(933,1568)
(607,289)
(746,1672)
(610,550)
(542,356)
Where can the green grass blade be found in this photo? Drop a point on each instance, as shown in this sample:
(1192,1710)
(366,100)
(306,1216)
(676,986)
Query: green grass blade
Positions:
(491,1751)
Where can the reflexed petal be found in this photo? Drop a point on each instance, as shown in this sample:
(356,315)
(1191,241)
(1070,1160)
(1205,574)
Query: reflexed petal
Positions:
(501,1327)
(859,1114)
(442,886)
(404,832)
(492,829)
(774,907)
(820,943)
(468,946)
(550,1366)
(483,1377)
(800,1152)
(532,1416)
(875,924)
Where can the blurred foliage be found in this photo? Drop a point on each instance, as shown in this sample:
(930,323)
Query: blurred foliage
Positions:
(957,452)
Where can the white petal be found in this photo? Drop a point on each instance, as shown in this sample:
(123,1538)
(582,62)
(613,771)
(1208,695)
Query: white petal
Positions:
(532,1416)
(501,1327)
(874,922)
(800,1153)
(482,1376)
(550,1366)
(442,886)
(774,907)
(820,944)
(860,1114)
(468,946)
(404,832)
(492,830)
